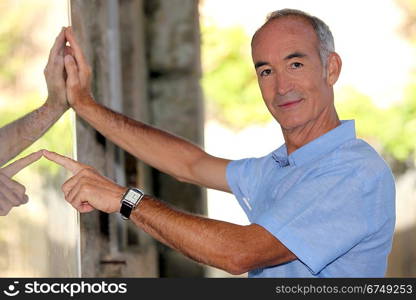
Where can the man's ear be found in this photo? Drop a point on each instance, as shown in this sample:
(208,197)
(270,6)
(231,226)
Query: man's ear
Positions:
(333,68)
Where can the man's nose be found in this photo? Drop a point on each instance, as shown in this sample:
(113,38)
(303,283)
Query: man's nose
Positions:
(283,84)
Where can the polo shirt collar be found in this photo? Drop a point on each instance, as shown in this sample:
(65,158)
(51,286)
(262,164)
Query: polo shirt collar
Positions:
(318,147)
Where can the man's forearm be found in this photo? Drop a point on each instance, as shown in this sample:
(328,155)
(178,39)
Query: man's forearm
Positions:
(164,151)
(23,132)
(208,241)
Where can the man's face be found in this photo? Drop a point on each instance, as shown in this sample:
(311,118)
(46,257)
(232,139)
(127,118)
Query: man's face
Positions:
(289,71)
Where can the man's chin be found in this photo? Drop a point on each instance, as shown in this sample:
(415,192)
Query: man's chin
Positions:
(290,124)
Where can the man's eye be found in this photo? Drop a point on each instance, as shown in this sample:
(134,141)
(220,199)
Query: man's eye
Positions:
(265,72)
(296,65)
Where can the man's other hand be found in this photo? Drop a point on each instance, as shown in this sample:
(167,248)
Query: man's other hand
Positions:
(87,189)
(13,193)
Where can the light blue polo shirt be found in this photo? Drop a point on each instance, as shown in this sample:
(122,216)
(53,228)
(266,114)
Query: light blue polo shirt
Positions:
(331,202)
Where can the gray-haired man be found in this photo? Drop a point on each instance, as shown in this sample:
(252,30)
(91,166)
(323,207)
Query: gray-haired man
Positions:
(321,205)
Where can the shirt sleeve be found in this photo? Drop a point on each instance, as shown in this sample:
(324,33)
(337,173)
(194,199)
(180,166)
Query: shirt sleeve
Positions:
(324,217)
(240,183)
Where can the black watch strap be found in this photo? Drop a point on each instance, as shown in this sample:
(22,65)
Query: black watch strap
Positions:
(126,209)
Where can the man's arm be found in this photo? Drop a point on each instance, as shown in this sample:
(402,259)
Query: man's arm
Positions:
(21,133)
(233,248)
(164,151)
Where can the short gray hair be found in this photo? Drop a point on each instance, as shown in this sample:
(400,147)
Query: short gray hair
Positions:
(324,34)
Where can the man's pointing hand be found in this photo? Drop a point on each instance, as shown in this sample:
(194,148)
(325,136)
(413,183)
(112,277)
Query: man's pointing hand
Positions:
(87,189)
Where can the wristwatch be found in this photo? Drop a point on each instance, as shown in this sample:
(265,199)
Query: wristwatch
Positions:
(130,200)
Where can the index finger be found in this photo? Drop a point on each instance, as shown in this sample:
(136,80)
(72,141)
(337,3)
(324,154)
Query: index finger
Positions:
(66,162)
(19,164)
(79,55)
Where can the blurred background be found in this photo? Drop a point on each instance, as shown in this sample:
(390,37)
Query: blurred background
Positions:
(375,39)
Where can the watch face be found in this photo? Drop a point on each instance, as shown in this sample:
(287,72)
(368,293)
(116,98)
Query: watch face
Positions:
(132,196)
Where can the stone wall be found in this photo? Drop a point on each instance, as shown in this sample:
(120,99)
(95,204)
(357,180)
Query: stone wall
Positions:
(173,55)
(145,56)
(402,258)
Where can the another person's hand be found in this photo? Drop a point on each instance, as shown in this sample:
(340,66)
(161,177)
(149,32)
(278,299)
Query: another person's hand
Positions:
(13,193)
(55,74)
(79,75)
(87,189)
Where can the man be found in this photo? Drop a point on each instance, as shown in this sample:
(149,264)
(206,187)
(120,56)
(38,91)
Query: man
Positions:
(321,205)
(21,133)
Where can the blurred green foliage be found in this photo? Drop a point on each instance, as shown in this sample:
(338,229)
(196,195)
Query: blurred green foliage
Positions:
(229,81)
(18,20)
(393,128)
(234,98)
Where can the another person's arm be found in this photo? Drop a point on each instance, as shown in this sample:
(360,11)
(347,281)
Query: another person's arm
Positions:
(164,151)
(20,134)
